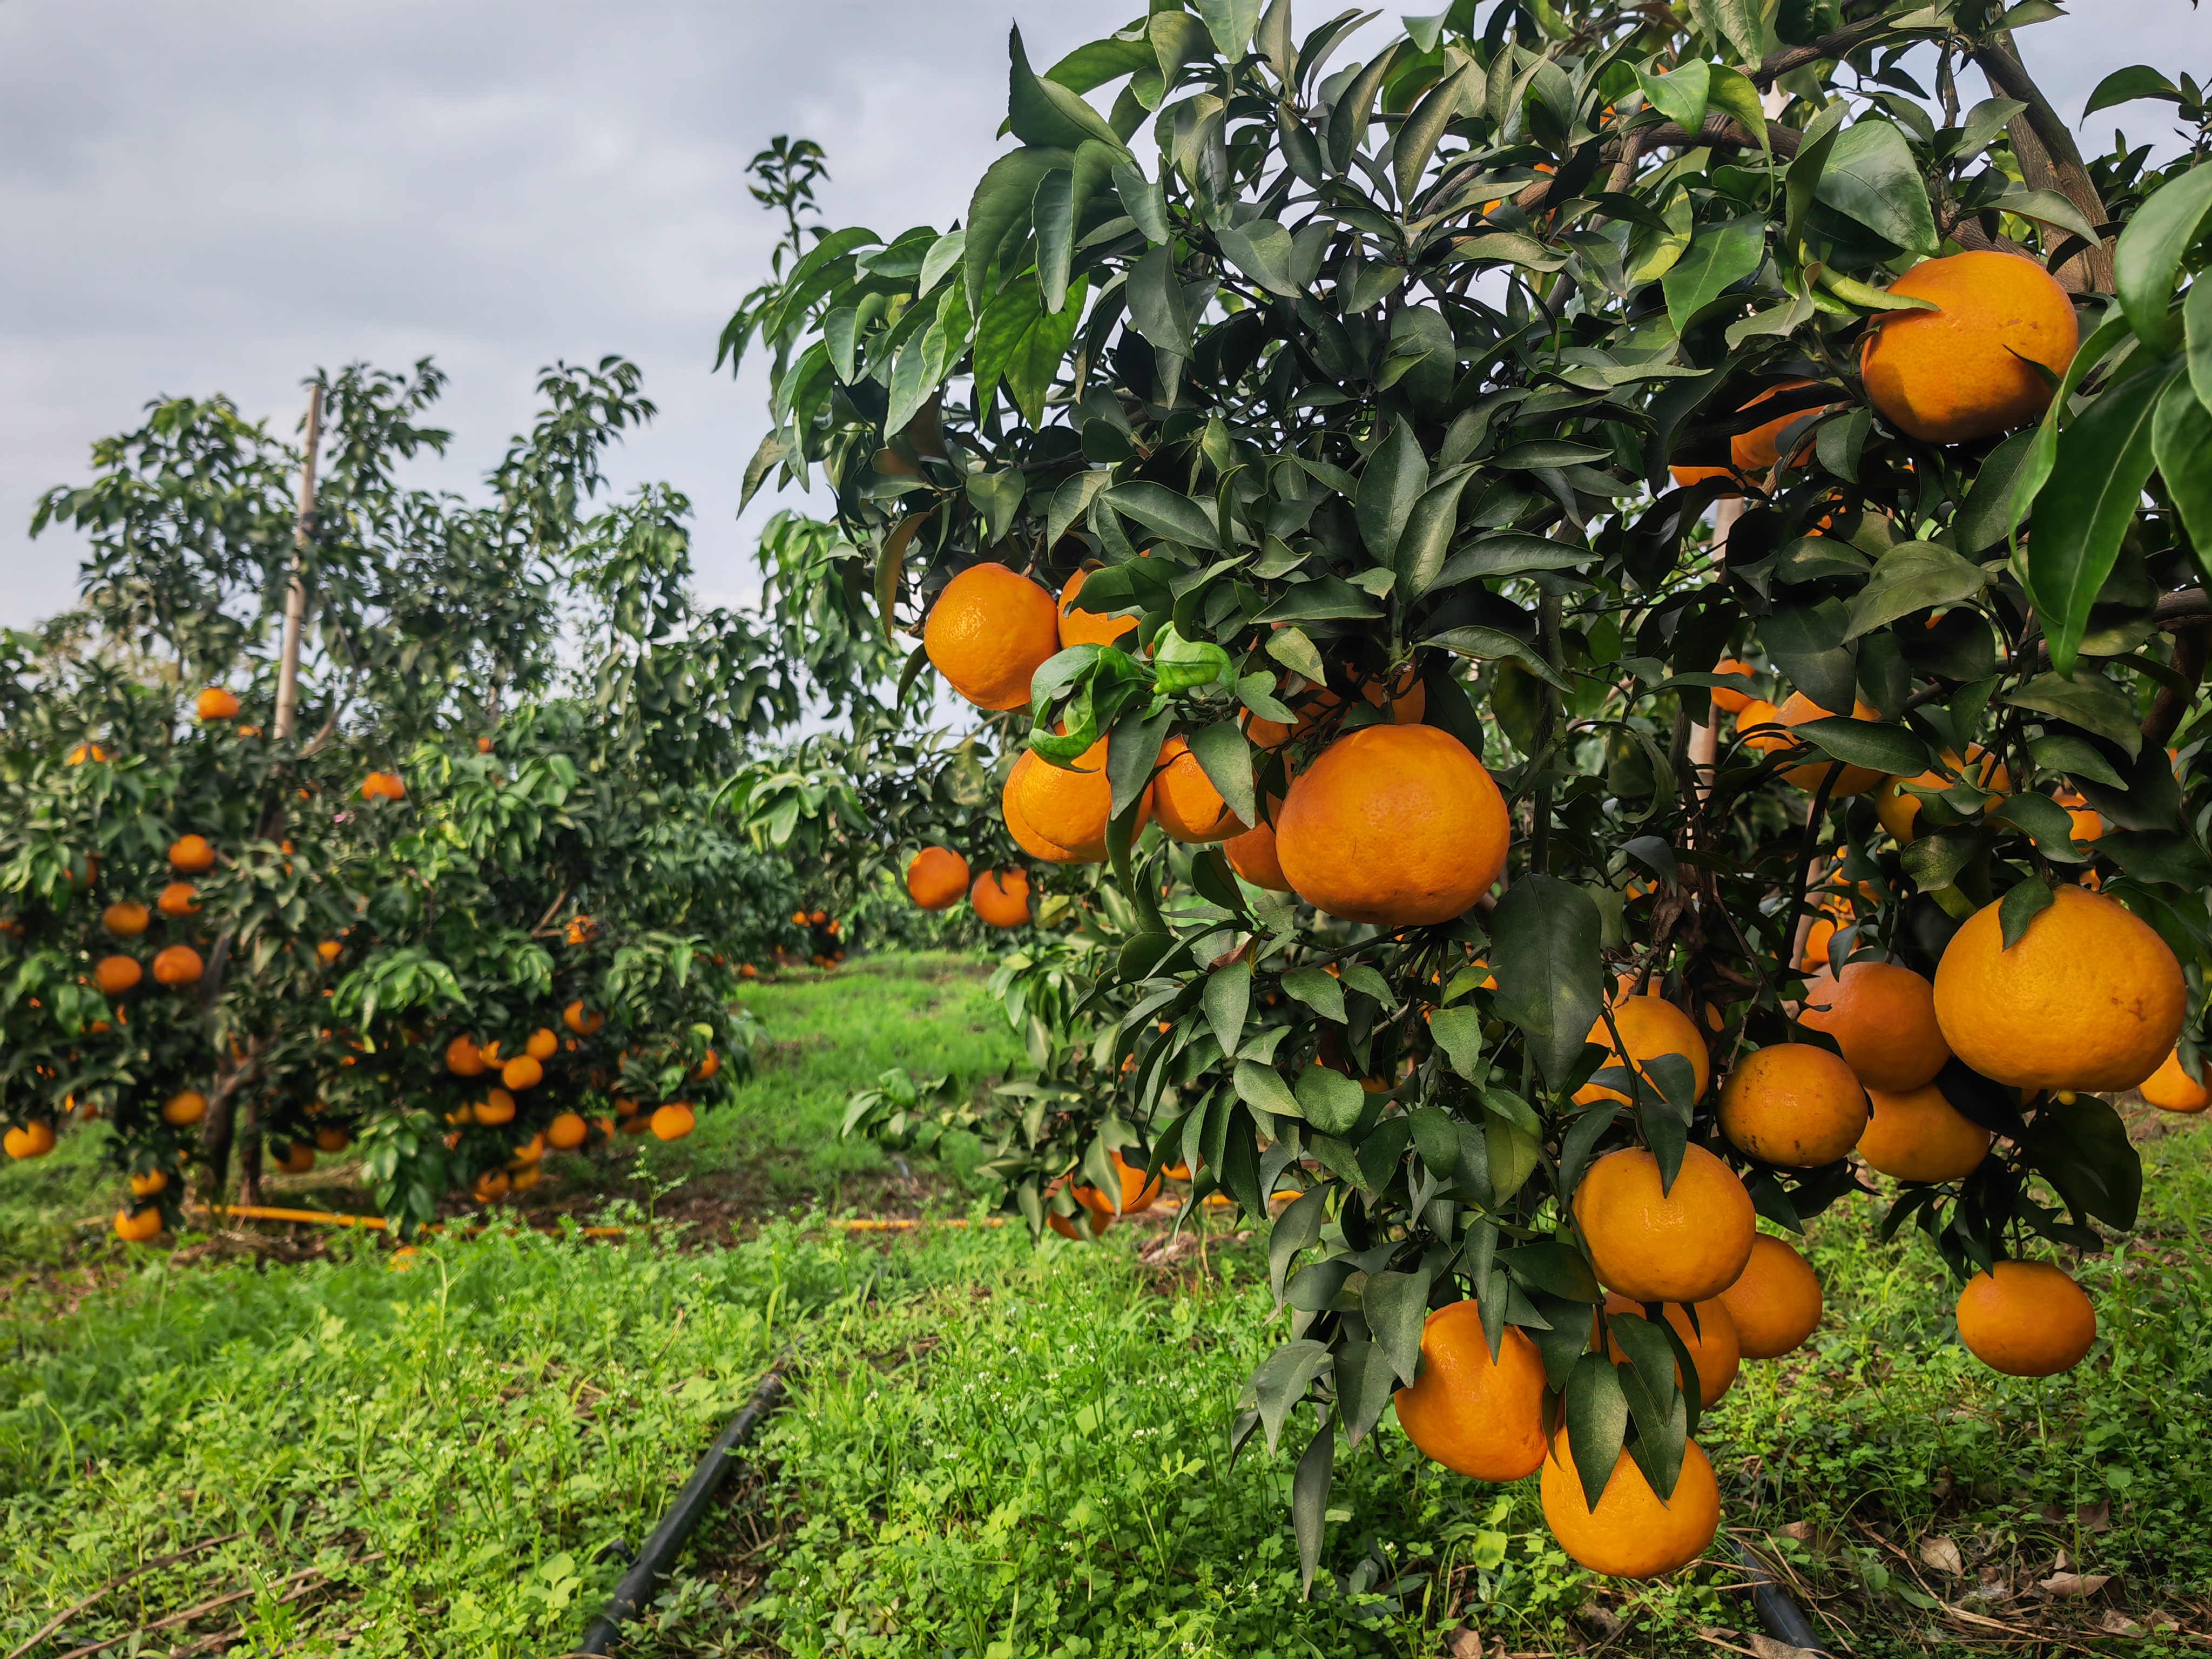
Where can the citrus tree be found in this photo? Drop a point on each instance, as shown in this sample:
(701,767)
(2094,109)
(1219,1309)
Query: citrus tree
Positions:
(1641,578)
(389,874)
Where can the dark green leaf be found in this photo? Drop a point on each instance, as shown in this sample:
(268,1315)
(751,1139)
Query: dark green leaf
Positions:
(2126,86)
(1318,989)
(1911,577)
(2181,438)
(2161,856)
(1396,475)
(1863,743)
(2020,905)
(1987,512)
(1395,1305)
(1162,512)
(1596,1422)
(1680,95)
(1427,535)
(1045,112)
(2105,458)
(1298,1228)
(1309,1500)
(1322,598)
(1417,138)
(2083,1151)
(1493,644)
(1262,249)
(2062,751)
(1718,257)
(1546,935)
(1330,1100)
(1158,304)
(1807,643)
(1365,1384)
(2092,703)
(1227,996)
(1871,177)
(2148,257)
(1226,759)
(1001,202)
(1458,1032)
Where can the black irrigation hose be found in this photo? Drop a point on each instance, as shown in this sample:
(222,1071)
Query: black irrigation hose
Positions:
(691,1505)
(1783,1620)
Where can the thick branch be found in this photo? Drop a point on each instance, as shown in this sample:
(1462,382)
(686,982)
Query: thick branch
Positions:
(2191,638)
(2048,157)
(1841,44)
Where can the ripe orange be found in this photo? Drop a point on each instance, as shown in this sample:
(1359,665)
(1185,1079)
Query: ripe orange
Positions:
(137,1226)
(937,879)
(490,1186)
(2172,1090)
(1897,811)
(707,1068)
(1396,825)
(1687,1245)
(116,975)
(1883,1017)
(567,1132)
(530,1150)
(2089,999)
(1757,450)
(293,1158)
(1185,801)
(184,1109)
(1726,698)
(582,1021)
(673,1122)
(989,631)
(1070,808)
(1686,475)
(191,855)
(1714,1347)
(2029,1319)
(1136,1195)
(1102,1217)
(1649,1026)
(215,704)
(1796,709)
(1630,1534)
(582,930)
(331,1138)
(1001,898)
(1089,627)
(383,786)
(125,919)
(1793,1104)
(1775,1303)
(1025,833)
(179,964)
(2089,823)
(32,1139)
(1966,370)
(522,1073)
(1469,1413)
(495,1109)
(542,1044)
(1916,1135)
(1253,855)
(463,1058)
(149,1184)
(178,899)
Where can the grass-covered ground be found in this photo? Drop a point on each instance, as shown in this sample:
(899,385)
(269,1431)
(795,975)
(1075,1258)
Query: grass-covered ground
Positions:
(991,1450)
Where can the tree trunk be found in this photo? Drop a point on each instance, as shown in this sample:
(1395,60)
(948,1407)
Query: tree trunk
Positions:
(2049,159)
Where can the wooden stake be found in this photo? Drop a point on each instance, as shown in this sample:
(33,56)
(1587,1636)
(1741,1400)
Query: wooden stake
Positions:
(296,602)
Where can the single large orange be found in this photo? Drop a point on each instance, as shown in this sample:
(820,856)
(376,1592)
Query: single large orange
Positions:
(1089,627)
(1795,1104)
(215,704)
(178,965)
(1630,1534)
(1025,833)
(1968,370)
(1796,709)
(1001,898)
(1470,1414)
(2089,999)
(567,1132)
(1068,806)
(1687,1244)
(1253,856)
(184,1109)
(1649,1026)
(125,919)
(1883,1017)
(191,855)
(1899,812)
(1916,1135)
(138,1227)
(1757,450)
(1715,1348)
(1395,825)
(937,878)
(116,975)
(1775,1303)
(2172,1090)
(989,631)
(2028,1319)
(1727,699)
(1185,801)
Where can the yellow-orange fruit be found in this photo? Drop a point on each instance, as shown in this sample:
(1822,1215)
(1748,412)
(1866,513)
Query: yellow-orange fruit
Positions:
(178,899)
(1686,475)
(1968,370)
(1775,1303)
(383,786)
(937,878)
(137,1226)
(150,1184)
(1395,825)
(491,1186)
(1714,1347)
(1793,1104)
(125,919)
(463,1057)
(583,1021)
(2029,1319)
(1185,801)
(1650,1026)
(495,1109)
(1899,812)
(293,1158)
(990,630)
(1001,898)
(541,1044)
(1727,698)
(191,855)
(86,752)
(1069,807)
(1915,1134)
(1090,627)
(184,1109)
(179,964)
(522,1073)
(567,1132)
(1687,1244)
(331,1138)
(2090,997)
(1796,709)
(1480,1417)
(329,952)
(215,704)
(1025,833)
(2172,1090)
(530,1150)
(1759,449)
(32,1139)
(2089,823)
(1630,1534)
(707,1069)
(524,1179)
(1883,1017)
(673,1122)
(116,975)
(1253,856)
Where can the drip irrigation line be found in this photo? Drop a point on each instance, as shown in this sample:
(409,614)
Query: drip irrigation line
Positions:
(1784,1620)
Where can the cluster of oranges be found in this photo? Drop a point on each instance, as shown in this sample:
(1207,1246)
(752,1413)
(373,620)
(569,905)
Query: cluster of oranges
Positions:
(826,942)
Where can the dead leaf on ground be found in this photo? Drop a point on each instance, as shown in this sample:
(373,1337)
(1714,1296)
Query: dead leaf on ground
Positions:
(2061,1585)
(1799,1530)
(1940,1553)
(1604,1620)
(2113,1622)
(1465,1643)
(1768,1648)
(2094,1517)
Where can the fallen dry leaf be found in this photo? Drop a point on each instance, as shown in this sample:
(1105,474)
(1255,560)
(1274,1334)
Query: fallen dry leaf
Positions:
(2094,1517)
(1604,1620)
(1940,1553)
(2063,1584)
(2113,1622)
(1768,1648)
(1799,1530)
(1465,1643)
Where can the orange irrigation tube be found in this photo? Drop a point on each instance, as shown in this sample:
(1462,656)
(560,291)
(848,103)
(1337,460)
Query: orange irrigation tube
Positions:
(896,1224)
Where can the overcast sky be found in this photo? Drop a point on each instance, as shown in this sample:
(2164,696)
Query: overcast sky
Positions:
(222,196)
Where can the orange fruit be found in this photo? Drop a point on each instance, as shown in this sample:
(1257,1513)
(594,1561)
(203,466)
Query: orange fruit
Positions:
(2089,824)
(331,1138)
(1001,898)
(1793,1104)
(673,1122)
(1775,1303)
(1649,1026)
(1757,711)
(989,631)
(1069,807)
(137,1226)
(179,964)
(1066,1226)
(178,899)
(1915,1134)
(383,786)
(330,950)
(542,1044)
(1965,370)
(937,879)
(1252,855)
(1796,709)
(2028,1319)
(150,1184)
(1688,1244)
(530,1150)
(1757,450)
(582,930)
(191,855)
(495,1109)
(707,1068)
(2172,1090)
(125,919)
(1396,825)
(1686,475)
(582,1021)
(1897,811)
(567,1132)
(2090,997)
(32,1139)
(1630,1534)
(1025,833)
(1185,801)
(1883,1017)
(184,1109)
(522,1073)
(1725,698)
(86,752)
(1135,1194)
(1714,1347)
(1090,627)
(492,1186)
(293,1158)
(463,1057)
(1481,1417)
(215,704)
(116,975)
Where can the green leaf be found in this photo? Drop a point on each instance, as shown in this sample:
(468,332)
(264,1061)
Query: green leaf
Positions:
(1156,301)
(1230,22)
(1261,249)
(1322,598)
(2105,458)
(1983,519)
(1890,749)
(1226,998)
(996,497)
(1680,95)
(2126,86)
(1052,212)
(1290,648)
(2083,1151)
(2047,823)
(2062,751)
(1071,501)
(2197,316)
(1495,645)
(1512,554)
(1597,1423)
(2181,440)
(1045,112)
(1807,643)
(1100,61)
(1427,536)
(1396,475)
(1417,138)
(1182,665)
(1546,935)
(1262,1088)
(1000,202)
(1871,177)
(1225,757)
(2092,703)
(1718,257)
(2050,208)
(1911,577)
(1298,1228)
(1328,1100)
(2147,256)
(2159,855)
(2022,903)
(1309,1487)
(1319,990)
(1730,90)
(1365,1385)
(1458,1032)
(1355,107)
(1396,1305)
(1145,201)
(1162,512)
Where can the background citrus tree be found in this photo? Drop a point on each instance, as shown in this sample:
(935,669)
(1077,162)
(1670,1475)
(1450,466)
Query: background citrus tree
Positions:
(1382,407)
